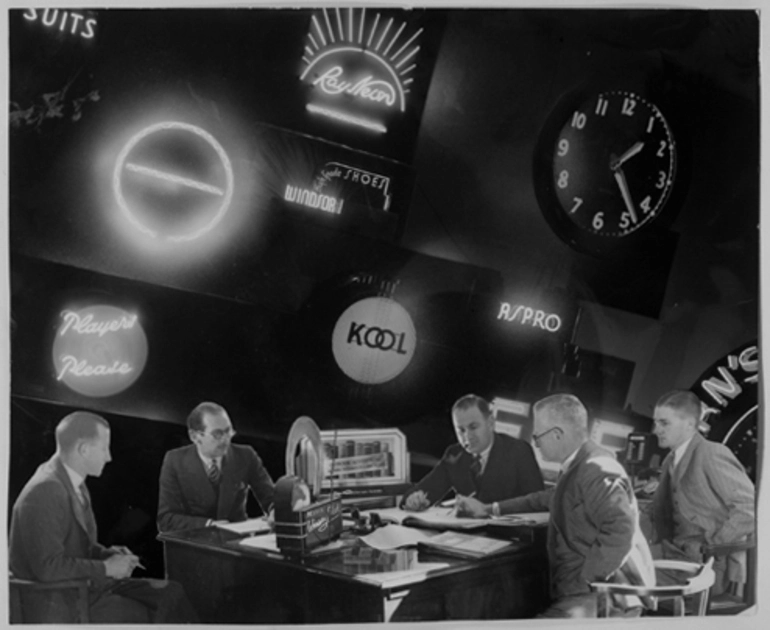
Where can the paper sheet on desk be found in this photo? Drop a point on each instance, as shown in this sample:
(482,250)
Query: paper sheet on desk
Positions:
(523,518)
(267,542)
(434,517)
(394,536)
(249,526)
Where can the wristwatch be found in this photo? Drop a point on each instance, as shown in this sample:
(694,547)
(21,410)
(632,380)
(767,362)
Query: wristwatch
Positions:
(495,509)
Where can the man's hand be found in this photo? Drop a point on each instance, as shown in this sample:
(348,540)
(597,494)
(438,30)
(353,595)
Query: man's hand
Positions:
(417,501)
(119,549)
(121,565)
(470,507)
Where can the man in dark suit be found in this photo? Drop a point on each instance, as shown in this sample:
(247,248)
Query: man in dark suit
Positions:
(593,530)
(209,480)
(488,465)
(54,537)
(704,495)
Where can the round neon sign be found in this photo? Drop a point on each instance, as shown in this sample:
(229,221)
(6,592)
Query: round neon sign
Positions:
(99,350)
(173,181)
(374,340)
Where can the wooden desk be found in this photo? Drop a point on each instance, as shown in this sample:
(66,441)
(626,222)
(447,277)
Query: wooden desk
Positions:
(230,583)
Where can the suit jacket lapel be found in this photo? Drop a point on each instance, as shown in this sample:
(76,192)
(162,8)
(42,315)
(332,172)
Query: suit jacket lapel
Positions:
(86,521)
(684,463)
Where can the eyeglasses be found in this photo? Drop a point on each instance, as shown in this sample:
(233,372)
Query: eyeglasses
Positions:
(220,434)
(538,436)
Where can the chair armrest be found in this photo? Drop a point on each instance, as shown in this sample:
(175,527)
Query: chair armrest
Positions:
(727,548)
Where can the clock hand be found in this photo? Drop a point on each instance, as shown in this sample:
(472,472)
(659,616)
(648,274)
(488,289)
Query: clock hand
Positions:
(617,163)
(620,178)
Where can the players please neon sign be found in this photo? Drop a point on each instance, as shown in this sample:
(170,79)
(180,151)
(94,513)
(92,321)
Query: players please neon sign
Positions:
(99,350)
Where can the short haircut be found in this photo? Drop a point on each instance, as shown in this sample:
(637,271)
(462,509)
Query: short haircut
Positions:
(470,401)
(195,418)
(564,410)
(79,426)
(684,402)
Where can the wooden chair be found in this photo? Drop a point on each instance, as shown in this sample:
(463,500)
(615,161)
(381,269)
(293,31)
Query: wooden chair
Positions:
(18,588)
(738,596)
(700,580)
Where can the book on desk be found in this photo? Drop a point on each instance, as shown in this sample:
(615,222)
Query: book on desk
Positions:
(465,545)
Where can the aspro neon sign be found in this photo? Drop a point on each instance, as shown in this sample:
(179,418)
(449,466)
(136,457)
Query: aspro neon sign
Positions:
(374,340)
(359,66)
(526,316)
(169,198)
(99,350)
(70,22)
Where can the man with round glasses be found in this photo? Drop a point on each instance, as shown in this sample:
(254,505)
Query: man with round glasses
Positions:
(209,480)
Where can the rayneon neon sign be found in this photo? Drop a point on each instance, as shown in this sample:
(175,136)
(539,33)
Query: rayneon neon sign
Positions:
(355,62)
(154,189)
(99,350)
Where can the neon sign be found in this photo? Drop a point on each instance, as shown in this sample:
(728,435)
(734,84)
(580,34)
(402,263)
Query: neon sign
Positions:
(528,316)
(358,66)
(164,197)
(99,350)
(726,386)
(339,172)
(312,199)
(75,23)
(374,340)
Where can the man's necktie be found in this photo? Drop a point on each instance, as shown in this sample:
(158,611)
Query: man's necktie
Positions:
(214,472)
(476,469)
(85,501)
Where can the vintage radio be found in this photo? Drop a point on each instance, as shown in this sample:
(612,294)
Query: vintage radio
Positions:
(305,519)
(302,525)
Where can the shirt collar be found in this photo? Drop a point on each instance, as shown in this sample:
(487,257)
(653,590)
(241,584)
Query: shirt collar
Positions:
(566,463)
(75,478)
(207,460)
(679,452)
(484,455)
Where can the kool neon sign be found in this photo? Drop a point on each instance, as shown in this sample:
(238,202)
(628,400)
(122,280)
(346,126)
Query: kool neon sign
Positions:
(99,350)
(374,340)
(357,63)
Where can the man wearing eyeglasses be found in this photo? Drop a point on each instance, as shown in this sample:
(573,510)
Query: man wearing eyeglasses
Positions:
(593,530)
(209,480)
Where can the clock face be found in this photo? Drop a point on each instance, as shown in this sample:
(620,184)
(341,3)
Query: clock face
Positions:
(605,167)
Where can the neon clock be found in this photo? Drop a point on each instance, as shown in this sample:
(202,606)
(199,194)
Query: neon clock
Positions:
(173,182)
(359,67)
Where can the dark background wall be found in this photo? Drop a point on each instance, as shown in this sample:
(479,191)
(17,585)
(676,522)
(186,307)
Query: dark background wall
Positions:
(246,321)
